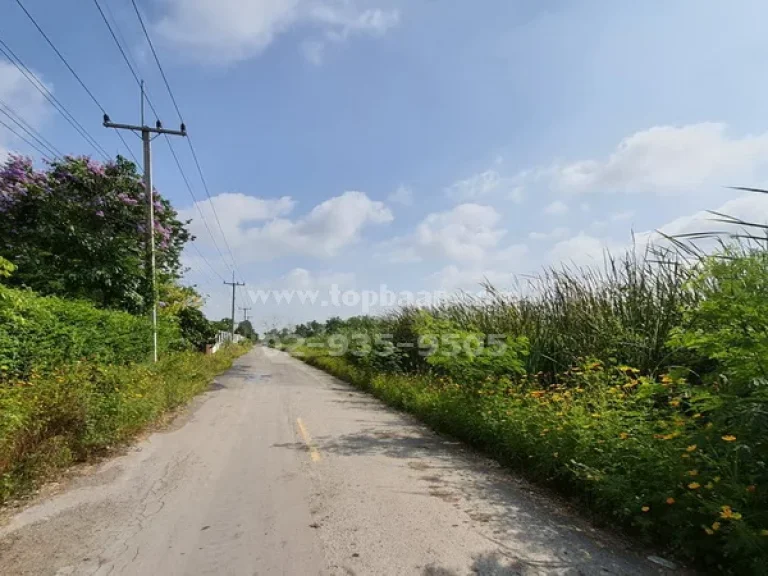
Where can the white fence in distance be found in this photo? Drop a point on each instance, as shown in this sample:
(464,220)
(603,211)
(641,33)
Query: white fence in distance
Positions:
(223,338)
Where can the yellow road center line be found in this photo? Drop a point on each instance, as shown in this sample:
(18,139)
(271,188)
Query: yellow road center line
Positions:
(313,452)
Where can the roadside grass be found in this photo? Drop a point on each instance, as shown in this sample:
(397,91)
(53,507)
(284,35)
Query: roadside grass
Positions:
(57,417)
(641,390)
(616,441)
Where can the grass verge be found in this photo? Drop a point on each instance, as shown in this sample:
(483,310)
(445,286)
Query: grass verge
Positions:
(668,478)
(52,420)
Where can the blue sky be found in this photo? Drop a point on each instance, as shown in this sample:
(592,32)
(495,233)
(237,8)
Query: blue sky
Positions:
(423,144)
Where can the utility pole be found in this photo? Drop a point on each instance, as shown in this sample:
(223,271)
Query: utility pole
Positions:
(146,132)
(234,287)
(245,311)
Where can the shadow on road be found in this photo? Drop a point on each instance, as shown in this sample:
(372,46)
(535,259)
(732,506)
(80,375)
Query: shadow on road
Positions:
(484,565)
(532,531)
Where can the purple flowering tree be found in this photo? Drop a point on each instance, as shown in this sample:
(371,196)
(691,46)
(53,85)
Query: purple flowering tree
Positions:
(79,229)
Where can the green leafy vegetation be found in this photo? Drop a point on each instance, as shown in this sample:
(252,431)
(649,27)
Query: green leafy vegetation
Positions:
(52,420)
(75,336)
(639,390)
(78,229)
(41,333)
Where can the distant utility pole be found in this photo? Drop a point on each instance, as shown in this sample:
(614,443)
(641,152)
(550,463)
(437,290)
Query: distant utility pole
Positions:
(234,287)
(245,311)
(146,139)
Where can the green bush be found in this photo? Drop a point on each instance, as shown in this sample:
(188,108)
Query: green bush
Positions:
(195,328)
(39,333)
(51,420)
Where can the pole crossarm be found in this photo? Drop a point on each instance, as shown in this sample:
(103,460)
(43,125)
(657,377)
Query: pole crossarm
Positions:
(153,130)
(234,287)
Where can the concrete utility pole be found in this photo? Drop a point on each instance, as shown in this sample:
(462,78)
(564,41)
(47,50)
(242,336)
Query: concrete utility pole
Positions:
(146,131)
(234,287)
(245,311)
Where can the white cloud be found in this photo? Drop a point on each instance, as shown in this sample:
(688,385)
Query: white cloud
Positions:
(588,250)
(402,196)
(233,210)
(584,250)
(558,233)
(453,279)
(314,51)
(556,208)
(517,194)
(303,279)
(475,186)
(25,101)
(669,159)
(298,296)
(323,232)
(228,31)
(485,183)
(751,207)
(621,216)
(467,232)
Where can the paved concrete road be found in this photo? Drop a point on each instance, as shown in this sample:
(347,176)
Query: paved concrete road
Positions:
(281,469)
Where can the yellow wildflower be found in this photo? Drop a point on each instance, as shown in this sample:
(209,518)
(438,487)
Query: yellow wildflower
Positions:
(670,500)
(694,485)
(728,514)
(645,508)
(623,435)
(729,438)
(674,403)
(716,526)
(691,448)
(693,472)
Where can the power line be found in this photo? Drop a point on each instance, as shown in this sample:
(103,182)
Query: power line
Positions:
(131,65)
(157,60)
(194,246)
(213,205)
(197,204)
(31,145)
(189,140)
(120,34)
(52,100)
(23,125)
(75,74)
(61,57)
(132,68)
(117,42)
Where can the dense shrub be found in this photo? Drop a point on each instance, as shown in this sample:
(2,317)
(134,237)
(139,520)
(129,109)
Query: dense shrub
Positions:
(195,328)
(41,333)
